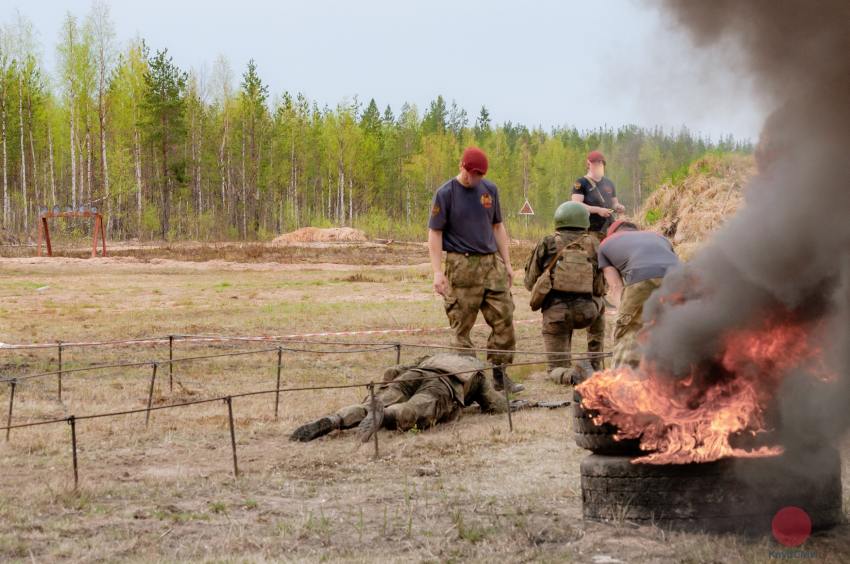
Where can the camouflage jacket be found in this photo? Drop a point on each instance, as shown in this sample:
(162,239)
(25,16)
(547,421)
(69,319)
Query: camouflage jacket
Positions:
(465,387)
(548,247)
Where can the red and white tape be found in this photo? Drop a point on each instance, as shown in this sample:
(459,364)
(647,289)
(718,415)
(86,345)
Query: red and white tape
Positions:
(209,339)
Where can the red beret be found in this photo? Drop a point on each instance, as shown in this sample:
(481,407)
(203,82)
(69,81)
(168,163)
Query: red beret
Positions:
(596,156)
(615,226)
(474,160)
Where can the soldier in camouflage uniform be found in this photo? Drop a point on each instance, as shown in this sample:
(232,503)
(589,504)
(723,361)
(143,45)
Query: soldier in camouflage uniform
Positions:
(421,394)
(575,298)
(466,222)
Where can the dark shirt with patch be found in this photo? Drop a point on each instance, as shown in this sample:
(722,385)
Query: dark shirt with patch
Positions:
(602,195)
(637,255)
(466,217)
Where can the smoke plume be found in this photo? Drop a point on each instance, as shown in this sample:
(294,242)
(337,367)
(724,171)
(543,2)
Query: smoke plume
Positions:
(787,252)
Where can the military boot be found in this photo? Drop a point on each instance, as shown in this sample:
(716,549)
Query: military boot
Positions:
(581,371)
(596,364)
(559,375)
(502,381)
(316,429)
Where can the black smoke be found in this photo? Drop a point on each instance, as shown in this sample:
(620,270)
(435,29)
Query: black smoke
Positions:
(788,249)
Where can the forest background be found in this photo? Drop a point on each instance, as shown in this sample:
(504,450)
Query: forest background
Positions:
(171,153)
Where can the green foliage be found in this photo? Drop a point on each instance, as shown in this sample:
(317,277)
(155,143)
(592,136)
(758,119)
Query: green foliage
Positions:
(164,107)
(230,160)
(652,215)
(150,219)
(218,507)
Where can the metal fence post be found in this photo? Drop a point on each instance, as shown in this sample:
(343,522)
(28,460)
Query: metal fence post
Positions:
(277,385)
(229,401)
(171,363)
(72,422)
(59,374)
(398,353)
(150,395)
(508,402)
(374,404)
(12,385)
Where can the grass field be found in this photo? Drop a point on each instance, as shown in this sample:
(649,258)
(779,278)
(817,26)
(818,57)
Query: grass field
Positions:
(469,490)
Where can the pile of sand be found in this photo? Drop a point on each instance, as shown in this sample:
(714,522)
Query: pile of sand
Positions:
(317,235)
(688,212)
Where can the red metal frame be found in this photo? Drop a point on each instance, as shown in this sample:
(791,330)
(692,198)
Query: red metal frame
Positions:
(44,230)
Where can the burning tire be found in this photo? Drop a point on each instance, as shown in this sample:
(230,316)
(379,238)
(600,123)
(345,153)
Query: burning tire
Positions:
(741,494)
(598,439)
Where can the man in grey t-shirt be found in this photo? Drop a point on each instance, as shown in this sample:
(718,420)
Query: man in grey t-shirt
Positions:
(634,263)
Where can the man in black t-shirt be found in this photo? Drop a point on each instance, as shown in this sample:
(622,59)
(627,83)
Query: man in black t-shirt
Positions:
(598,194)
(466,222)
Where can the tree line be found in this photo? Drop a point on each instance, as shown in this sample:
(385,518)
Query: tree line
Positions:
(171,153)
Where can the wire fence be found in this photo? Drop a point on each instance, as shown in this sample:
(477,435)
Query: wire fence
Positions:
(370,386)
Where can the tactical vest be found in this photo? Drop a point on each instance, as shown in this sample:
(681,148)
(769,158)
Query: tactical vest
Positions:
(574,270)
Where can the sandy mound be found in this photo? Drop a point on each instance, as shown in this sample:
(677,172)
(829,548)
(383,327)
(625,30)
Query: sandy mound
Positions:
(316,235)
(689,211)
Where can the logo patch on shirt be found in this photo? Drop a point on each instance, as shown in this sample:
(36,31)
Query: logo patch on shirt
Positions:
(577,186)
(486,201)
(607,189)
(435,211)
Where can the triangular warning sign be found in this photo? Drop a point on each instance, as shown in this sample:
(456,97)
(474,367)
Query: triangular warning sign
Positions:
(526,209)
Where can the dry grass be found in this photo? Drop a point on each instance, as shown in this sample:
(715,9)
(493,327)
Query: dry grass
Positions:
(690,211)
(467,491)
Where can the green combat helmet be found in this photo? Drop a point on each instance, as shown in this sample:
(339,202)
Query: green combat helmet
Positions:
(572,214)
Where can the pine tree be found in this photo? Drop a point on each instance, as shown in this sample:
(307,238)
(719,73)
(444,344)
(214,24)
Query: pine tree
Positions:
(165,125)
(370,121)
(434,120)
(482,126)
(254,95)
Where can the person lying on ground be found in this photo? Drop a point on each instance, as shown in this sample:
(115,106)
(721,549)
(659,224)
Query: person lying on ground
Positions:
(429,391)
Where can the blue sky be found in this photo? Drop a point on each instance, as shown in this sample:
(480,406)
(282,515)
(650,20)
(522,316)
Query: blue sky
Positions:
(538,63)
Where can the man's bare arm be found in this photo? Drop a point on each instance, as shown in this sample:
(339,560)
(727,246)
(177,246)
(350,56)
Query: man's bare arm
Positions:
(604,212)
(618,207)
(615,284)
(435,253)
(502,243)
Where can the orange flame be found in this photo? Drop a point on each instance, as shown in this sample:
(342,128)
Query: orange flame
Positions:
(692,419)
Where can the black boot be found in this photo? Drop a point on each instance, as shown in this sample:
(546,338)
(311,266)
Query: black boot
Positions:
(581,371)
(502,381)
(315,429)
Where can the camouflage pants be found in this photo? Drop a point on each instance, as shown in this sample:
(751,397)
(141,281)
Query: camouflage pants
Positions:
(562,317)
(409,401)
(480,283)
(630,321)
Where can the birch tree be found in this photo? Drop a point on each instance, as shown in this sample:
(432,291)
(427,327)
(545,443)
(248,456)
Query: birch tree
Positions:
(101,30)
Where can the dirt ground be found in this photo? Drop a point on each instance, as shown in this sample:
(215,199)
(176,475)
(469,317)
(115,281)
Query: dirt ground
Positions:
(468,491)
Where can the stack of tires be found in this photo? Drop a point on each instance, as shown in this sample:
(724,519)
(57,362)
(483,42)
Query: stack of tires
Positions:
(741,495)
(598,439)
